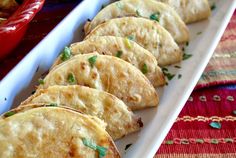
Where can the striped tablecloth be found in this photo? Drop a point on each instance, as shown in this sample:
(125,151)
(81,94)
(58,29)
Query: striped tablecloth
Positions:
(191,135)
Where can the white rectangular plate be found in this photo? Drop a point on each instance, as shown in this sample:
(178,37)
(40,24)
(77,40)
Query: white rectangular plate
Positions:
(20,82)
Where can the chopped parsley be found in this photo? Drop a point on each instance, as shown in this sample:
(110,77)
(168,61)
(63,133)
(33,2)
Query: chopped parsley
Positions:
(127,146)
(10,113)
(216,125)
(119,53)
(144,68)
(155,16)
(92,60)
(213,6)
(101,150)
(41,81)
(65,54)
(71,78)
(187,56)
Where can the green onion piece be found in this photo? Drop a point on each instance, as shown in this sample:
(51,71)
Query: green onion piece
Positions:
(199,33)
(52,105)
(177,66)
(138,13)
(131,37)
(119,53)
(92,60)
(187,43)
(169,142)
(169,75)
(89,144)
(213,6)
(127,146)
(41,81)
(179,76)
(10,113)
(216,125)
(164,69)
(66,54)
(127,43)
(71,78)
(144,69)
(187,56)
(155,16)
(101,150)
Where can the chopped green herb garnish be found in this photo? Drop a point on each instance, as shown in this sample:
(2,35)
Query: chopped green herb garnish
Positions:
(179,76)
(213,6)
(52,104)
(10,113)
(144,69)
(169,142)
(234,112)
(187,43)
(183,49)
(138,13)
(169,75)
(71,78)
(164,69)
(90,144)
(127,43)
(216,125)
(33,92)
(103,6)
(127,146)
(92,60)
(131,37)
(119,53)
(199,33)
(101,150)
(41,81)
(66,54)
(187,56)
(167,83)
(177,66)
(155,16)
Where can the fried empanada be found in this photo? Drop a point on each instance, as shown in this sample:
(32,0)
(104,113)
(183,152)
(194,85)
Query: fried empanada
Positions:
(151,9)
(106,73)
(147,33)
(190,10)
(44,131)
(120,121)
(116,46)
